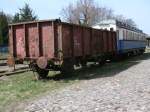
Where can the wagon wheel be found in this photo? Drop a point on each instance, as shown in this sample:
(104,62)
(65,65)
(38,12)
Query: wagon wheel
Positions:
(84,63)
(41,73)
(101,62)
(41,68)
(67,67)
(38,72)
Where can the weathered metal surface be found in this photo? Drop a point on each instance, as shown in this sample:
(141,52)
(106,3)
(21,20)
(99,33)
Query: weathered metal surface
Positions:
(20,41)
(105,41)
(114,42)
(67,42)
(101,41)
(77,39)
(33,40)
(87,41)
(110,42)
(49,38)
(11,47)
(95,42)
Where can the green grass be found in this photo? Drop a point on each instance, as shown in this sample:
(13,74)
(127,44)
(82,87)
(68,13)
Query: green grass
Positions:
(17,88)
(20,87)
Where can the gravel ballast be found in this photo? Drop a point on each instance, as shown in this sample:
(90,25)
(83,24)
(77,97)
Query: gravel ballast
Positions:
(126,91)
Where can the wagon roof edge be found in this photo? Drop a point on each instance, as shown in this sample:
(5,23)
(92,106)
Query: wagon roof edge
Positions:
(37,21)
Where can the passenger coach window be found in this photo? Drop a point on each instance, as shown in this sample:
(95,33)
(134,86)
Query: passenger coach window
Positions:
(133,36)
(124,34)
(117,34)
(136,37)
(139,37)
(130,35)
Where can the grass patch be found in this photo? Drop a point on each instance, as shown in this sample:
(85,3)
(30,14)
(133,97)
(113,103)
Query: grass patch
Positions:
(19,87)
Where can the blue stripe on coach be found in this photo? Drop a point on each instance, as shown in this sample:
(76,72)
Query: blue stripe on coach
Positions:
(128,44)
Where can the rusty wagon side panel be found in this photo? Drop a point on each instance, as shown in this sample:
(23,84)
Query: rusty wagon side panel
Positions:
(46,35)
(31,32)
(87,37)
(105,41)
(67,46)
(76,40)
(20,41)
(79,41)
(32,40)
(95,42)
(57,41)
(55,45)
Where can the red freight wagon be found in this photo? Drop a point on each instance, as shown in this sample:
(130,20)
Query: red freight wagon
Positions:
(55,45)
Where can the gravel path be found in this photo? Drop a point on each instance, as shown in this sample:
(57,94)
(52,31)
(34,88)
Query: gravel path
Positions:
(127,91)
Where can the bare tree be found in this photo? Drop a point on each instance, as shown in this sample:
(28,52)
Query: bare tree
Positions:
(128,21)
(131,22)
(85,12)
(67,13)
(88,12)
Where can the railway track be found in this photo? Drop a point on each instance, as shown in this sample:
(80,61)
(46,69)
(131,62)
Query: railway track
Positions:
(7,71)
(3,62)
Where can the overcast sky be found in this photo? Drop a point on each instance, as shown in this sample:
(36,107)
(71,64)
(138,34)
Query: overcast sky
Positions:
(138,10)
